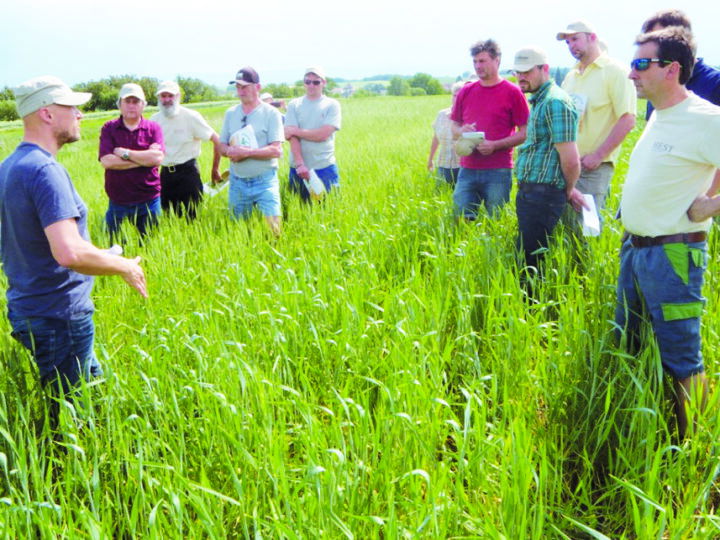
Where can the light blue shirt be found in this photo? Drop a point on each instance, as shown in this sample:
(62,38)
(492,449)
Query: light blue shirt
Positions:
(266,122)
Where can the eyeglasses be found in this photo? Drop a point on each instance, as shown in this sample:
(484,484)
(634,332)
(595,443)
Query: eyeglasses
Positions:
(244,121)
(315,82)
(641,64)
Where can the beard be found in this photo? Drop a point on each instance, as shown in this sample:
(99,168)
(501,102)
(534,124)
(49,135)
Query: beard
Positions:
(66,136)
(170,110)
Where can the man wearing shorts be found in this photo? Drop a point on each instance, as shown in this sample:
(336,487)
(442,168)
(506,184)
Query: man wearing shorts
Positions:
(251,137)
(671,169)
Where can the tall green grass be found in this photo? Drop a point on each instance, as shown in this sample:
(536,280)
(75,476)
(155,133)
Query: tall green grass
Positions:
(374,373)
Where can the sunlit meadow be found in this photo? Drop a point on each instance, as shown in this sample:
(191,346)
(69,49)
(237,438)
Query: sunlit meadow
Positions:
(374,373)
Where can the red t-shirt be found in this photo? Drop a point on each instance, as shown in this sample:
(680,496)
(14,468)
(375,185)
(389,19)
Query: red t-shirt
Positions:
(497,110)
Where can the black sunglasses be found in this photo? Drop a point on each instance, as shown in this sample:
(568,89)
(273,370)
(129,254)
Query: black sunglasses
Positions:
(315,82)
(244,121)
(641,64)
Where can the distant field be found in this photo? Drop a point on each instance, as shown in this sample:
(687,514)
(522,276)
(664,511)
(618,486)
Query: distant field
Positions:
(374,373)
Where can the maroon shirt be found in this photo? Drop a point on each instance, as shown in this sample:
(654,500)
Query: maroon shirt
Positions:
(131,186)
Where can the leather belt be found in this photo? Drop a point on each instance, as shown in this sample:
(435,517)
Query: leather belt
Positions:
(684,238)
(173,168)
(537,187)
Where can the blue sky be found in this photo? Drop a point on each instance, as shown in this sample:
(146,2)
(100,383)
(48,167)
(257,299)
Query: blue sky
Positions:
(83,40)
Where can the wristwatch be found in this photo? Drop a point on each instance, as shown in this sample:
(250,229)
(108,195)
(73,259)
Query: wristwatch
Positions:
(126,155)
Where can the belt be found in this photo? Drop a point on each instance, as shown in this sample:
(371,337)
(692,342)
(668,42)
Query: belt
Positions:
(684,238)
(173,168)
(534,186)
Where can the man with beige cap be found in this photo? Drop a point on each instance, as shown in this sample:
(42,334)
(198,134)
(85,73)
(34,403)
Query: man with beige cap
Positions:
(606,103)
(131,149)
(548,163)
(183,131)
(310,125)
(44,241)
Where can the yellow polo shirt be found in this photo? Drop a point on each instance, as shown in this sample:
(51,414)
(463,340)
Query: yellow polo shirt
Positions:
(602,94)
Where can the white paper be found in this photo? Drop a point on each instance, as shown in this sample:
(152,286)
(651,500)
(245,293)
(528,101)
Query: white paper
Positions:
(591,219)
(213,189)
(315,186)
(244,137)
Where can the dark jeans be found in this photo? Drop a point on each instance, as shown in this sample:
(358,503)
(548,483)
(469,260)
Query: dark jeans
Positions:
(448,176)
(181,189)
(142,215)
(62,349)
(539,207)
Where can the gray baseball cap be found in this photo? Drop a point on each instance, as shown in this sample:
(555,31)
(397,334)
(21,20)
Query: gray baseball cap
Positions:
(40,92)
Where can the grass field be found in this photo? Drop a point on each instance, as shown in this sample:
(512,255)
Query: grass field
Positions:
(374,373)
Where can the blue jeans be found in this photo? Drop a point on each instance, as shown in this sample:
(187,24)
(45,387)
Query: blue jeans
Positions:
(328,175)
(62,349)
(447,176)
(539,207)
(142,215)
(664,283)
(477,186)
(262,190)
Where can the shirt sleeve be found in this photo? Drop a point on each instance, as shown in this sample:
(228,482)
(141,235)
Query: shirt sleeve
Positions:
(200,128)
(225,130)
(563,121)
(291,114)
(157,135)
(333,117)
(52,195)
(276,133)
(521,109)
(107,144)
(623,94)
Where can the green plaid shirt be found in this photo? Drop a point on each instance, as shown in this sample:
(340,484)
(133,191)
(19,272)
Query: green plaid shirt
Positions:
(553,119)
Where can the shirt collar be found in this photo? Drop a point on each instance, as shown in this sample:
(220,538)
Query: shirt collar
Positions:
(542,91)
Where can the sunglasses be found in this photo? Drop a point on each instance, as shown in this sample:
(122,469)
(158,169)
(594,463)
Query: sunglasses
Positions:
(244,121)
(315,82)
(641,64)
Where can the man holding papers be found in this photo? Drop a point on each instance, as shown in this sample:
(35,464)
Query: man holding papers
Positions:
(251,137)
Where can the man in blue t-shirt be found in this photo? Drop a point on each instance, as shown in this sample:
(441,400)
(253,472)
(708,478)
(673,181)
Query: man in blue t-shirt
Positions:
(704,80)
(44,242)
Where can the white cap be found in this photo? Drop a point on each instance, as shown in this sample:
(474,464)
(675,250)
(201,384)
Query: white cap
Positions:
(577,27)
(316,70)
(528,58)
(171,87)
(40,92)
(132,89)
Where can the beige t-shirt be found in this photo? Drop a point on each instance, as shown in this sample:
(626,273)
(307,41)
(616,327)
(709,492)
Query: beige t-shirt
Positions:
(182,134)
(673,162)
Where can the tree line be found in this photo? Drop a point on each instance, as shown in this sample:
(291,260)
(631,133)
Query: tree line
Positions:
(105,91)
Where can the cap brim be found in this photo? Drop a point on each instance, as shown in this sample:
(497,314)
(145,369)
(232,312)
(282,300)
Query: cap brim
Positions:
(74,99)
(562,36)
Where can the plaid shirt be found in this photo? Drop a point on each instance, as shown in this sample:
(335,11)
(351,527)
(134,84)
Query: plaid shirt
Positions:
(553,119)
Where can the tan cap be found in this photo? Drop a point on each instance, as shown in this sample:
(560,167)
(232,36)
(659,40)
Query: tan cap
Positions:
(316,70)
(528,58)
(171,87)
(577,27)
(132,90)
(40,92)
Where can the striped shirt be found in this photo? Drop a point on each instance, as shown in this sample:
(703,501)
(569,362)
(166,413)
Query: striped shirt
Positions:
(553,119)
(446,156)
